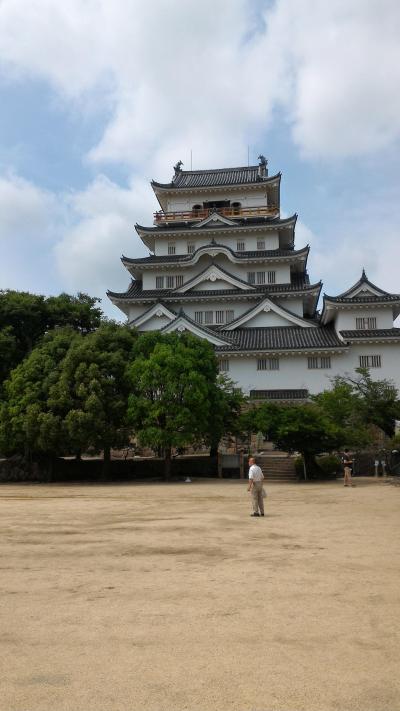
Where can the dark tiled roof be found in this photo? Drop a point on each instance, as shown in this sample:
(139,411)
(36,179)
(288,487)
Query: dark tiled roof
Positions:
(372,333)
(299,283)
(293,394)
(191,230)
(182,258)
(210,178)
(283,338)
(369,299)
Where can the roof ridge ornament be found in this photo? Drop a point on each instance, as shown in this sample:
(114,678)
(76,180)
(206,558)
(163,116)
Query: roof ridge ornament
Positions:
(178,168)
(363,275)
(262,167)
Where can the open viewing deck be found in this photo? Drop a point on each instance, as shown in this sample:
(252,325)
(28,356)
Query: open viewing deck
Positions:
(162,217)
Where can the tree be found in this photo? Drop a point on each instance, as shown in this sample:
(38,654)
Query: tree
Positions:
(27,424)
(91,394)
(226,402)
(69,394)
(356,402)
(173,391)
(25,318)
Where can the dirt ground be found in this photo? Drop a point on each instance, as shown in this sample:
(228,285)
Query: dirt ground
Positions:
(140,597)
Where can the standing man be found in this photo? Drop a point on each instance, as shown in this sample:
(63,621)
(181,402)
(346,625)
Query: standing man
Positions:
(256,478)
(348,467)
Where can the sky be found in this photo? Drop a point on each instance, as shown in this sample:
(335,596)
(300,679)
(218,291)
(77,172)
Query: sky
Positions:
(99,97)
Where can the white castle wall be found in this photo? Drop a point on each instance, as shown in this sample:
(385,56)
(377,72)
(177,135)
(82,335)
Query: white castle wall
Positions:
(199,238)
(346,319)
(248,198)
(294,373)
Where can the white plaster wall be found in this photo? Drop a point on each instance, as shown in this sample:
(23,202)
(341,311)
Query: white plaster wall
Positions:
(267,319)
(295,306)
(294,373)
(155,323)
(346,319)
(199,237)
(248,198)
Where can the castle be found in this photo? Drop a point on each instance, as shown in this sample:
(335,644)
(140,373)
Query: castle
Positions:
(223,265)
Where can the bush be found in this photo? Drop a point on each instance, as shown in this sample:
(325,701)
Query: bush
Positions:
(329,465)
(325,467)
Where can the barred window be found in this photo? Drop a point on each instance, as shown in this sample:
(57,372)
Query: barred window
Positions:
(191,247)
(229,315)
(219,316)
(268,363)
(370,361)
(271,277)
(208,316)
(179,280)
(366,323)
(171,247)
(223,366)
(260,277)
(251,277)
(198,316)
(159,282)
(170,282)
(261,244)
(240,246)
(315,362)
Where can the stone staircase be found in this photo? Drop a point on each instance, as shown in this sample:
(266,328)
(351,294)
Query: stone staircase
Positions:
(277,466)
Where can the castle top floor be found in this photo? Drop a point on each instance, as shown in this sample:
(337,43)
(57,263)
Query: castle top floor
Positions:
(243,192)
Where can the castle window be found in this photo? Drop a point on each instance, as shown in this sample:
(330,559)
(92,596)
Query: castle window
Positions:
(236,208)
(171,247)
(159,282)
(198,316)
(208,317)
(370,361)
(261,244)
(229,315)
(179,280)
(197,208)
(251,277)
(170,282)
(271,277)
(260,277)
(240,246)
(268,363)
(219,316)
(223,366)
(191,247)
(365,323)
(315,362)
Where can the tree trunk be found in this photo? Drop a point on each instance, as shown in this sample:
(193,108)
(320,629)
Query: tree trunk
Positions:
(106,461)
(167,463)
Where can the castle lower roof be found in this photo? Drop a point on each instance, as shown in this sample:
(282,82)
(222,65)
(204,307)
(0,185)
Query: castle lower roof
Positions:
(376,334)
(282,338)
(300,283)
(241,256)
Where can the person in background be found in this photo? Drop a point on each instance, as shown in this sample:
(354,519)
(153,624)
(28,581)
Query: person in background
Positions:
(348,467)
(256,478)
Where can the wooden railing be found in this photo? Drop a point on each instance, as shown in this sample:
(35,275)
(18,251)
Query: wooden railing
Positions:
(201,214)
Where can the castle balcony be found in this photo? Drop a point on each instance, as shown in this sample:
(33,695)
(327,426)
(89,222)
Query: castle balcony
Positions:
(199,214)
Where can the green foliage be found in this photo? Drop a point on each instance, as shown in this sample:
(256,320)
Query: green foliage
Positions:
(329,464)
(25,318)
(69,394)
(355,403)
(176,396)
(27,425)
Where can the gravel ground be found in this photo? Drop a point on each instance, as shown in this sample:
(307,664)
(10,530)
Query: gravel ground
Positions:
(171,597)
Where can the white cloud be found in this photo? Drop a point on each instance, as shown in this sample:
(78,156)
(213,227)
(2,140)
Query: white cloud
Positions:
(25,210)
(209,75)
(101,228)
